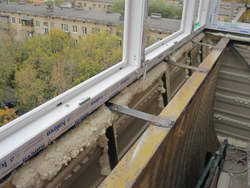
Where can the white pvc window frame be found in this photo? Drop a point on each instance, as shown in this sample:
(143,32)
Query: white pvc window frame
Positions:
(213,23)
(33,126)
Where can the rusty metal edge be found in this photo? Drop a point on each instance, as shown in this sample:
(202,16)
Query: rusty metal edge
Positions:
(130,167)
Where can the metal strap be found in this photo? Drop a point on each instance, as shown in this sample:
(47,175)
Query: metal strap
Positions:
(236,52)
(208,45)
(155,120)
(187,66)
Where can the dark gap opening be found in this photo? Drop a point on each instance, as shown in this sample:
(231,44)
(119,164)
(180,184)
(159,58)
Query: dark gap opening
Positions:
(113,158)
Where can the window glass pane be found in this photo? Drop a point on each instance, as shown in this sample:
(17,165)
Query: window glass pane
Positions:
(74,29)
(84,30)
(37,23)
(13,20)
(83,44)
(228,11)
(164,19)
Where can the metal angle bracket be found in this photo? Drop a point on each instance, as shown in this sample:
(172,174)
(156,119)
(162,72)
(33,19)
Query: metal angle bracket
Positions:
(198,69)
(208,45)
(155,120)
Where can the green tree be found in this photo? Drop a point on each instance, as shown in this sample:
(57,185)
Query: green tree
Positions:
(42,67)
(166,10)
(118,6)
(29,89)
(9,49)
(98,52)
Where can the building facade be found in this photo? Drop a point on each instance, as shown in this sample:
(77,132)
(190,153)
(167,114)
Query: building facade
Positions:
(76,23)
(95,5)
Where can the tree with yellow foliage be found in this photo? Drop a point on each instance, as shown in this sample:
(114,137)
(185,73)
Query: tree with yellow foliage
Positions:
(7,115)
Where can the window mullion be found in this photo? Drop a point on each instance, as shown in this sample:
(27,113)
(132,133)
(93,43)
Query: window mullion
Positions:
(133,31)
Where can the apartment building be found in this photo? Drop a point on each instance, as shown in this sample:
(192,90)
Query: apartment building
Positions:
(94,5)
(29,20)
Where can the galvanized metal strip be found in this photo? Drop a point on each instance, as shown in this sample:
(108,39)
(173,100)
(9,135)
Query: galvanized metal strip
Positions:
(242,59)
(155,120)
(187,66)
(208,45)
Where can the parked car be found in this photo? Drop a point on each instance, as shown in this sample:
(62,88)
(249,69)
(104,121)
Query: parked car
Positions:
(65,5)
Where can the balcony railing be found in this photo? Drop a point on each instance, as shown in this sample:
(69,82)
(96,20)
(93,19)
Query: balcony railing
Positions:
(28,28)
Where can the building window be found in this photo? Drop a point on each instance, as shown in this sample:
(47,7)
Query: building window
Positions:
(46,31)
(13,20)
(95,31)
(85,4)
(119,42)
(75,41)
(37,23)
(45,23)
(118,33)
(19,21)
(94,5)
(84,30)
(74,29)
(30,34)
(107,33)
(64,27)
(100,6)
(53,25)
(105,7)
(21,33)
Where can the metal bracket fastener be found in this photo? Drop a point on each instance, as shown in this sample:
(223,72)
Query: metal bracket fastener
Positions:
(187,66)
(155,120)
(83,100)
(208,45)
(236,52)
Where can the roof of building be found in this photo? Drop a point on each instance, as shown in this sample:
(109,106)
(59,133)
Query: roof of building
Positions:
(102,1)
(161,25)
(235,4)
(226,12)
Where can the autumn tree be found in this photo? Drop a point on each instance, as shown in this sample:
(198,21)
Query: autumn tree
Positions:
(98,52)
(9,49)
(30,90)
(42,67)
(7,115)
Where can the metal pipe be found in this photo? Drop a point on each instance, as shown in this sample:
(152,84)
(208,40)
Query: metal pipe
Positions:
(215,165)
(204,174)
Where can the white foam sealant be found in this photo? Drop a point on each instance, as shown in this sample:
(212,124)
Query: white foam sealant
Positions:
(46,165)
